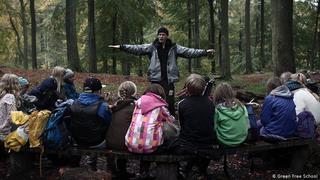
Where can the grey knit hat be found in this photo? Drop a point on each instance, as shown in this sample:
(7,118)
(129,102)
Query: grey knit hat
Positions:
(68,74)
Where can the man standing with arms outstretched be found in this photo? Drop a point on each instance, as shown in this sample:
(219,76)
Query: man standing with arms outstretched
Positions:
(163,54)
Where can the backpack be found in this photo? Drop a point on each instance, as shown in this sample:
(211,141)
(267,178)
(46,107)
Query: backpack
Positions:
(28,104)
(306,127)
(56,134)
(253,132)
(37,124)
(208,87)
(16,139)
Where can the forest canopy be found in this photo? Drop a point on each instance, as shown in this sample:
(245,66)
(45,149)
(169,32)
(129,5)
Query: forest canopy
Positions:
(43,34)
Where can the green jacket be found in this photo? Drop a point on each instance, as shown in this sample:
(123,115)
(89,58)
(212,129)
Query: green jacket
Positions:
(231,124)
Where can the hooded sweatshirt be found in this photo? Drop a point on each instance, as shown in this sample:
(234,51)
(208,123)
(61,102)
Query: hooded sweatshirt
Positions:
(145,133)
(278,115)
(231,124)
(103,111)
(121,119)
(90,119)
(70,90)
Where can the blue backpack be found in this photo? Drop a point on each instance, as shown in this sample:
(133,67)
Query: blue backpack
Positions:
(253,133)
(56,134)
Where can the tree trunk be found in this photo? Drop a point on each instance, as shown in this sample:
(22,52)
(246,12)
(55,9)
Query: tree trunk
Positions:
(225,62)
(33,35)
(211,33)
(318,47)
(25,34)
(315,39)
(125,64)
(114,41)
(197,63)
(219,39)
(189,34)
(140,71)
(262,56)
(282,37)
(140,68)
(247,39)
(257,32)
(91,38)
(20,53)
(240,36)
(42,36)
(71,36)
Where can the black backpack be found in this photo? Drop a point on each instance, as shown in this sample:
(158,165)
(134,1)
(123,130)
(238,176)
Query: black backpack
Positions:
(28,104)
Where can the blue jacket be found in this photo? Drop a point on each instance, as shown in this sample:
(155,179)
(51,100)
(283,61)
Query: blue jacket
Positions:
(278,114)
(70,91)
(103,111)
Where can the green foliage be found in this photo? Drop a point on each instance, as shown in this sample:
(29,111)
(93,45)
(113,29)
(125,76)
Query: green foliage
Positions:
(55,52)
(136,15)
(304,23)
(131,16)
(256,84)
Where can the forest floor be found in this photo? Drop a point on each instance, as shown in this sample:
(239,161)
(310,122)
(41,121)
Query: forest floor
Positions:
(251,82)
(238,168)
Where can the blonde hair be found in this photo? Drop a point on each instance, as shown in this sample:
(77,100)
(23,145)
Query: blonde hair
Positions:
(58,73)
(9,84)
(127,89)
(195,84)
(225,94)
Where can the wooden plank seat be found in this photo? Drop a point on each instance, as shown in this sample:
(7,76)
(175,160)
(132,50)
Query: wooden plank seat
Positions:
(299,147)
(167,163)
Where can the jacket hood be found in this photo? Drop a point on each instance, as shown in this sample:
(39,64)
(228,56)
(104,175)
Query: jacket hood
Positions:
(89,98)
(235,113)
(149,102)
(282,91)
(293,85)
(121,103)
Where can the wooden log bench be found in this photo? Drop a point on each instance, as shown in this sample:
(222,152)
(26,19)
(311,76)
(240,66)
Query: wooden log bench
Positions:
(167,164)
(300,149)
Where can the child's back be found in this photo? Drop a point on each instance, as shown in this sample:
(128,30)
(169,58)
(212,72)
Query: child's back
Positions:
(196,120)
(231,116)
(121,116)
(145,133)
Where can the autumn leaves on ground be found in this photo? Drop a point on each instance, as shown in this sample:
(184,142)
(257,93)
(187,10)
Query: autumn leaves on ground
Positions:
(112,82)
(252,82)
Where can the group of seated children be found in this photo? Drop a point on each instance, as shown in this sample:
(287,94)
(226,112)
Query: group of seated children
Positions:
(146,126)
(290,109)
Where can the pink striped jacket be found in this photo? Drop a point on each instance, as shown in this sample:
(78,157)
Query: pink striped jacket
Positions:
(145,132)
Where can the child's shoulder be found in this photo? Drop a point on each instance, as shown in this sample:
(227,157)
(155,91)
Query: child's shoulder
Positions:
(8,98)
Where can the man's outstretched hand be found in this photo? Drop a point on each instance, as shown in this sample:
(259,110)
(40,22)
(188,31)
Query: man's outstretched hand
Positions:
(210,51)
(114,46)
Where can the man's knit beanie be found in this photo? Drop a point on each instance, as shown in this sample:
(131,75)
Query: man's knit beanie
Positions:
(163,30)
